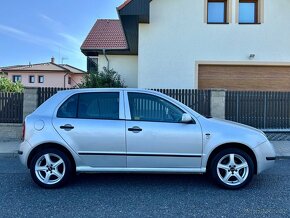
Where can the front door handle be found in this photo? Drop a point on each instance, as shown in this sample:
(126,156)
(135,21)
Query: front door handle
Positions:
(135,129)
(67,127)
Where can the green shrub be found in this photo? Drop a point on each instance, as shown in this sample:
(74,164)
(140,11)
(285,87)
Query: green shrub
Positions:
(6,85)
(108,78)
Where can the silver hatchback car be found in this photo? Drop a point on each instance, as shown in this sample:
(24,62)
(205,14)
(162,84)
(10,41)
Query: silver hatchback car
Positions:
(134,130)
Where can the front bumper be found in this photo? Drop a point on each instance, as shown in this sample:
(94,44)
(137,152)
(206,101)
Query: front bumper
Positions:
(23,152)
(265,155)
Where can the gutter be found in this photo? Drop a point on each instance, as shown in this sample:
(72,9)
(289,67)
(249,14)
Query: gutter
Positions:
(108,65)
(64,79)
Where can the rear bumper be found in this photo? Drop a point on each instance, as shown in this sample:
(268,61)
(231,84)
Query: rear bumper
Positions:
(23,152)
(265,155)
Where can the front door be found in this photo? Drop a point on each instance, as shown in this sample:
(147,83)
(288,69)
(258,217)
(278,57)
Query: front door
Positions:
(91,124)
(156,137)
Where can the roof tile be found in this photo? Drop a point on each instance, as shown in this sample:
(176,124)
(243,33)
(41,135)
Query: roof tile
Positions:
(106,34)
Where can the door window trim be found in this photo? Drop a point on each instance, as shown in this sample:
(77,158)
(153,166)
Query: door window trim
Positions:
(121,108)
(128,111)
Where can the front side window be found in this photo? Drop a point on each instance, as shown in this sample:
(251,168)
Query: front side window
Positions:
(40,79)
(31,79)
(16,78)
(145,107)
(248,11)
(217,11)
(91,106)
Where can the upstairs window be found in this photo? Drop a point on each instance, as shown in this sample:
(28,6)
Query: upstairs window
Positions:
(40,79)
(16,78)
(248,11)
(31,79)
(217,11)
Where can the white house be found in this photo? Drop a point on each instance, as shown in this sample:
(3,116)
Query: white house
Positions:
(228,44)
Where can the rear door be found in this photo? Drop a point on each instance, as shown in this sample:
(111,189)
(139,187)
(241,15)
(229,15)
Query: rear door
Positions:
(93,124)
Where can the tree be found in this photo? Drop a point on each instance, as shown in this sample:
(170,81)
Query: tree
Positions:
(6,85)
(108,78)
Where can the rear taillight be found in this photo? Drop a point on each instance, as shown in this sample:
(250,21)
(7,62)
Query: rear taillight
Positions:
(23,131)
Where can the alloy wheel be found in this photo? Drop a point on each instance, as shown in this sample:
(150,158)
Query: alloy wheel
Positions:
(232,169)
(50,168)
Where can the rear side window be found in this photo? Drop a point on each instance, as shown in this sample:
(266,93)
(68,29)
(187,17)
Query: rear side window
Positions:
(69,108)
(91,106)
(99,106)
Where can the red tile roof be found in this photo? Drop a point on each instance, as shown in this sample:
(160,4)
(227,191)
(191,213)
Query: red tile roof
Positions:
(106,34)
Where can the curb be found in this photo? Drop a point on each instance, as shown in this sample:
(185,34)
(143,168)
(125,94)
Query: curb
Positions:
(9,155)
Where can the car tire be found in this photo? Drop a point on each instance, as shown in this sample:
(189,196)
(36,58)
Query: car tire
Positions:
(51,168)
(232,168)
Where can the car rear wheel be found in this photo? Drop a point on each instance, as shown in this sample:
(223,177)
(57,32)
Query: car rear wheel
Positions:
(50,168)
(232,168)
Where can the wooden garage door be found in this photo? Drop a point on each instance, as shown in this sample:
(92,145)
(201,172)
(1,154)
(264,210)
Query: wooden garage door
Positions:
(259,78)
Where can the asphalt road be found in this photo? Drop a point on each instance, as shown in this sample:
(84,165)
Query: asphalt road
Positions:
(143,195)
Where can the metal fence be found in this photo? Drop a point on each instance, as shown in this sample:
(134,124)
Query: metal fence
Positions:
(46,93)
(198,100)
(11,107)
(263,110)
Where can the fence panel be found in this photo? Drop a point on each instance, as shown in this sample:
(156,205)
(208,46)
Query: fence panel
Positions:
(46,93)
(263,110)
(11,107)
(198,100)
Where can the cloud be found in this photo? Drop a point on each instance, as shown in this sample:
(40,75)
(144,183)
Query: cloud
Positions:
(70,39)
(25,36)
(7,29)
(68,46)
(50,20)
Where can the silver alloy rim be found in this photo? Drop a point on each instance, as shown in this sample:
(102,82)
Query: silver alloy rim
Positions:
(233,169)
(50,169)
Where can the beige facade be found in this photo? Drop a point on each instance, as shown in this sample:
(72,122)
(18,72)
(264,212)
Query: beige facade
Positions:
(50,79)
(45,75)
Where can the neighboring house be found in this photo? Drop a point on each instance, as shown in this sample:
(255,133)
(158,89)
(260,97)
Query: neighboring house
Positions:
(2,74)
(45,75)
(228,44)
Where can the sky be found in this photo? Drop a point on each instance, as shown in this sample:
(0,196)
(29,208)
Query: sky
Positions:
(35,30)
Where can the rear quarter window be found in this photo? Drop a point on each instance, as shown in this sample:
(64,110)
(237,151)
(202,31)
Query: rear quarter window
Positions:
(69,108)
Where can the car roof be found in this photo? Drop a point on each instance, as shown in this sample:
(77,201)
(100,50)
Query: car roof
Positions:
(107,90)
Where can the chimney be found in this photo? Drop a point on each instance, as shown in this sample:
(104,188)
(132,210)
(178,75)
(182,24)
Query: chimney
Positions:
(52,60)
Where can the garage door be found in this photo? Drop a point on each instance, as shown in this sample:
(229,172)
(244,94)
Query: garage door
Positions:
(259,78)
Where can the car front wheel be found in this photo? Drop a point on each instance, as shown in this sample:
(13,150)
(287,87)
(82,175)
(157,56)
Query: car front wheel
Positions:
(50,168)
(232,168)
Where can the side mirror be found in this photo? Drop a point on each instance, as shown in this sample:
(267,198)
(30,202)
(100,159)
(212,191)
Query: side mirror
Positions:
(186,118)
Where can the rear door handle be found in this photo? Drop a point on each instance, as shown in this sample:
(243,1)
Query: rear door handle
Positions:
(67,127)
(135,129)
